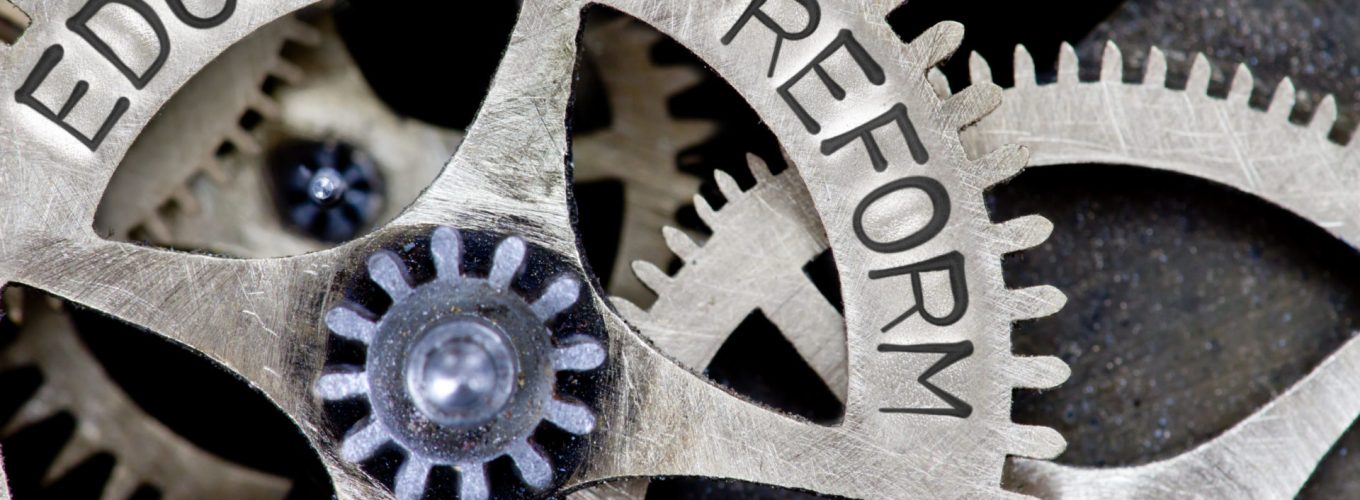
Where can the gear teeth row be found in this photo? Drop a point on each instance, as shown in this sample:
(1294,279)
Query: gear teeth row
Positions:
(1282,106)
(238,137)
(58,394)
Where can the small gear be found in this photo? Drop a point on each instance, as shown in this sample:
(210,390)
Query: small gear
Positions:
(461,370)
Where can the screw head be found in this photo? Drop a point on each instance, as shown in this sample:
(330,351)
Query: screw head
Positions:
(461,373)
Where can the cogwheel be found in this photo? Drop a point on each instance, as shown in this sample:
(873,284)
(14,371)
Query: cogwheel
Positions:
(147,453)
(182,146)
(479,376)
(328,99)
(641,144)
(721,282)
(1222,139)
(929,367)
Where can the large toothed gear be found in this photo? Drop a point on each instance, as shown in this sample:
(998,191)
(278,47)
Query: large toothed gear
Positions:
(1224,139)
(460,370)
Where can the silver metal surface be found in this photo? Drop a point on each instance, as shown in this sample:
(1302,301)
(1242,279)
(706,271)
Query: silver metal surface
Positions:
(1272,453)
(262,317)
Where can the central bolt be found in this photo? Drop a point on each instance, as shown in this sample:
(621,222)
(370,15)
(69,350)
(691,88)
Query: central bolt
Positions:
(461,373)
(326,187)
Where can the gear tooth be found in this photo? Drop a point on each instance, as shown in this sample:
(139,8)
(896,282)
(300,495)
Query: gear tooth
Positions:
(1239,91)
(1037,302)
(342,385)
(42,406)
(287,71)
(706,212)
(978,69)
(688,132)
(472,484)
(938,42)
(185,199)
(264,105)
(121,484)
(361,443)
(572,417)
(1023,232)
(1032,441)
(561,294)
(1067,65)
(759,169)
(972,104)
(1200,73)
(1324,118)
(1001,164)
(534,468)
(628,310)
(506,263)
(156,227)
(727,185)
(1112,64)
(386,269)
(214,170)
(939,83)
(1282,103)
(652,276)
(78,449)
(244,141)
(1040,372)
(675,79)
(578,354)
(680,243)
(1024,68)
(303,33)
(1156,68)
(411,477)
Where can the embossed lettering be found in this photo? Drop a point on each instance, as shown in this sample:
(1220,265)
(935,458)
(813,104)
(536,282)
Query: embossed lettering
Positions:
(897,114)
(953,353)
(845,40)
(46,63)
(177,6)
(939,214)
(814,12)
(80,25)
(951,263)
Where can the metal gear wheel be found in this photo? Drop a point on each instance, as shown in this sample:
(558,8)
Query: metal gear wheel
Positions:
(107,420)
(262,317)
(1223,139)
(461,370)
(1109,121)
(193,214)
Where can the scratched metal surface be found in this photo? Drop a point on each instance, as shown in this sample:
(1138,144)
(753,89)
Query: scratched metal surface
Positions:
(1191,305)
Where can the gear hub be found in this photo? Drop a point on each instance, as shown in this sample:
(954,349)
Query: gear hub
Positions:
(461,370)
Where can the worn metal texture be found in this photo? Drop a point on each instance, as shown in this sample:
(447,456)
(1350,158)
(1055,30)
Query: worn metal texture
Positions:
(261,317)
(1310,42)
(1259,152)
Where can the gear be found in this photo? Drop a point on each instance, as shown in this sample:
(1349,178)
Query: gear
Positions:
(196,215)
(1072,122)
(262,317)
(146,452)
(1222,139)
(460,370)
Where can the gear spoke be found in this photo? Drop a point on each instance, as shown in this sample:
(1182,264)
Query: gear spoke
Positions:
(363,443)
(411,478)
